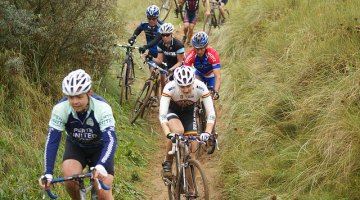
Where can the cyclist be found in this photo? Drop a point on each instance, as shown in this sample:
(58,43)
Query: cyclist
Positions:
(206,62)
(191,16)
(151,30)
(177,106)
(90,128)
(170,50)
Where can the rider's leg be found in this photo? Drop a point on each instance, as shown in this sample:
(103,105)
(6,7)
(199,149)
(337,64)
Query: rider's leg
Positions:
(175,126)
(222,11)
(106,194)
(186,29)
(69,168)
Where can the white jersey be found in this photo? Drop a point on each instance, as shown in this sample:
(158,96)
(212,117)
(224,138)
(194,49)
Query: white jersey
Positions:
(172,93)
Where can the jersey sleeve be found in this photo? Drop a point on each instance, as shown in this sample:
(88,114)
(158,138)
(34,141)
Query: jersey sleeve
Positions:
(59,115)
(213,58)
(165,101)
(190,57)
(109,145)
(51,149)
(105,116)
(208,103)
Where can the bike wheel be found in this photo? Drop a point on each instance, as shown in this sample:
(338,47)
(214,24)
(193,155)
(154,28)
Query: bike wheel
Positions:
(208,24)
(122,80)
(151,101)
(180,11)
(196,182)
(141,101)
(201,125)
(165,7)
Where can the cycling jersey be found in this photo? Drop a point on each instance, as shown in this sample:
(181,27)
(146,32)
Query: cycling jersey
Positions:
(93,129)
(170,53)
(174,100)
(192,5)
(152,35)
(204,65)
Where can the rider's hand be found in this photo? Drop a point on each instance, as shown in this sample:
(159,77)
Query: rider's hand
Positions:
(171,136)
(132,40)
(149,57)
(100,172)
(45,181)
(170,72)
(216,95)
(204,136)
(143,49)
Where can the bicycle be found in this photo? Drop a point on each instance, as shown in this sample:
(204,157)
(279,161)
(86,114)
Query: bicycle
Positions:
(214,19)
(166,7)
(200,115)
(83,189)
(189,180)
(127,72)
(144,100)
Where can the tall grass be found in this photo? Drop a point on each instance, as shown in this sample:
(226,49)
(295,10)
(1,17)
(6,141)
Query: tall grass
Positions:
(292,69)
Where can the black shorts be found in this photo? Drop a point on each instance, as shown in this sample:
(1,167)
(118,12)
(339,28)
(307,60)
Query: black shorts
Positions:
(187,118)
(224,1)
(191,16)
(86,156)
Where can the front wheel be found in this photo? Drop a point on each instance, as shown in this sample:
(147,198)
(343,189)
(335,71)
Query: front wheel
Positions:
(141,101)
(196,186)
(165,7)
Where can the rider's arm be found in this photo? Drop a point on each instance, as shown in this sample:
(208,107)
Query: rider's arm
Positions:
(107,127)
(160,57)
(51,149)
(109,145)
(180,58)
(164,107)
(137,31)
(217,75)
(155,40)
(207,7)
(209,107)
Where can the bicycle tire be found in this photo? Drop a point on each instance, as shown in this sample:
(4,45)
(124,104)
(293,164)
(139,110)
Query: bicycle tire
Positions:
(180,11)
(201,124)
(127,77)
(198,180)
(208,24)
(122,77)
(150,102)
(141,101)
(165,7)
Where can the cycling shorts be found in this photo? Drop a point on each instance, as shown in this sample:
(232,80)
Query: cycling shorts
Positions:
(86,156)
(187,118)
(224,1)
(191,16)
(210,82)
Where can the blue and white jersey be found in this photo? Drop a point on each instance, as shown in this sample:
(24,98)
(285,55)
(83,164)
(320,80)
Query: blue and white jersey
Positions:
(151,33)
(94,128)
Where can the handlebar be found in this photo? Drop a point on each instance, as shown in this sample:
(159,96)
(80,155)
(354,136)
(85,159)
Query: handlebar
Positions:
(101,184)
(126,46)
(155,66)
(184,139)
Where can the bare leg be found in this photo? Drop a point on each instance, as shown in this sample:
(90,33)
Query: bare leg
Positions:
(69,168)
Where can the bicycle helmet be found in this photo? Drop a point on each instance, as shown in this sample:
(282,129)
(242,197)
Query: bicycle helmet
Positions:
(184,75)
(76,82)
(166,28)
(200,40)
(153,11)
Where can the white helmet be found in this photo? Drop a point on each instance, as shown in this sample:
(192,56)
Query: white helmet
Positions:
(166,28)
(184,75)
(77,82)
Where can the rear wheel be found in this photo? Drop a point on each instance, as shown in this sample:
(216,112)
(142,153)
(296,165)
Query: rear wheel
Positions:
(165,7)
(207,24)
(141,101)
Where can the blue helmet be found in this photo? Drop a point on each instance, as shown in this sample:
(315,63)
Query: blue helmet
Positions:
(200,39)
(153,11)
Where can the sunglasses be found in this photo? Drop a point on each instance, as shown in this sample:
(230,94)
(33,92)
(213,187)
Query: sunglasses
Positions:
(165,35)
(152,18)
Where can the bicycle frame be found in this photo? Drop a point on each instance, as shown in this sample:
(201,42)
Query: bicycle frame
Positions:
(83,190)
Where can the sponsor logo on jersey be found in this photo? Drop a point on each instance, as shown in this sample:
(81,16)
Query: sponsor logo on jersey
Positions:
(90,122)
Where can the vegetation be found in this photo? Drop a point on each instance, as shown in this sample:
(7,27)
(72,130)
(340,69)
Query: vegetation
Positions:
(292,67)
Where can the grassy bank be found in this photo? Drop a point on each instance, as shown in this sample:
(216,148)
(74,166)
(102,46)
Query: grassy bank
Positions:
(292,69)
